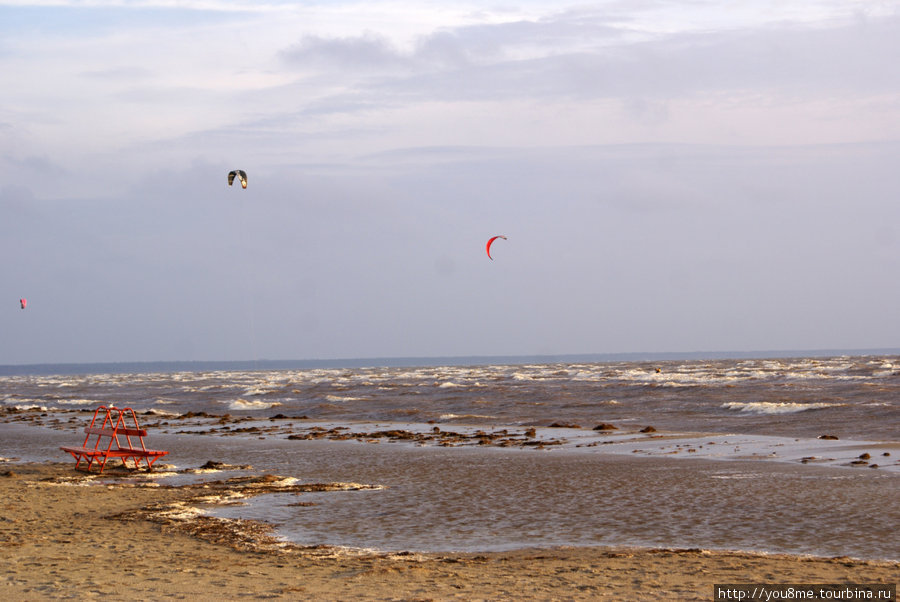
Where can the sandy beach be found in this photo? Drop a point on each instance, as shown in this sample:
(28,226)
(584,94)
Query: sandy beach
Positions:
(66,535)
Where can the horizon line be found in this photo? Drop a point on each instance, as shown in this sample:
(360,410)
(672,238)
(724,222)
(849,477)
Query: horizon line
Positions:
(126,366)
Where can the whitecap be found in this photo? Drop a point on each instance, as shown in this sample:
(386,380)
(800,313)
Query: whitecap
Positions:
(773,407)
(20,400)
(259,390)
(77,402)
(25,408)
(338,398)
(242,404)
(467,416)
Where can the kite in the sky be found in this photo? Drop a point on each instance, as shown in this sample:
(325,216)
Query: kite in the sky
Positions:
(490,242)
(241,174)
(23,302)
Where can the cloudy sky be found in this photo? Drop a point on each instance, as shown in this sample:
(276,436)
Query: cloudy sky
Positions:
(681,175)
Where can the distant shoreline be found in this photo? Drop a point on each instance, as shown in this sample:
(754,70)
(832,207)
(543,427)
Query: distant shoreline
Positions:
(401,362)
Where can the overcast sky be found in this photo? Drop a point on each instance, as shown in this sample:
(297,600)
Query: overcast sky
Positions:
(671,176)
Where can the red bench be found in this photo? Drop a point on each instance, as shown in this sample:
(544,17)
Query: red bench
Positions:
(114,440)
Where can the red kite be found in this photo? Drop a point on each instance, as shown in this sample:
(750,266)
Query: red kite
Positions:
(490,242)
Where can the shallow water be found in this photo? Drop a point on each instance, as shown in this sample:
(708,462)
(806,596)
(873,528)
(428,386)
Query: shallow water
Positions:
(487,499)
(438,499)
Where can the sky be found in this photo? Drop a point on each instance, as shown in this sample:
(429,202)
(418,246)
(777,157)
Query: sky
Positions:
(671,176)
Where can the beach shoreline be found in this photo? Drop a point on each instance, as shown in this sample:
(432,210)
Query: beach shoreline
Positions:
(66,535)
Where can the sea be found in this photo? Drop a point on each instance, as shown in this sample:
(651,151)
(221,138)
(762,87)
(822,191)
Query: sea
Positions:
(796,454)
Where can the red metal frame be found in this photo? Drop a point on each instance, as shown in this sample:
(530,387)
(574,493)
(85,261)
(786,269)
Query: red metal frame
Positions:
(113,426)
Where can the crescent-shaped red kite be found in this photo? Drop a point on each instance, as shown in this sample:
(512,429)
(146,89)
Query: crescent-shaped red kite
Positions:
(490,242)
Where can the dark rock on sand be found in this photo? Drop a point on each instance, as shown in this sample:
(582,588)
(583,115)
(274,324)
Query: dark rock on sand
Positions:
(284,417)
(394,434)
(213,465)
(648,429)
(605,426)
(864,456)
(829,437)
(565,425)
(196,415)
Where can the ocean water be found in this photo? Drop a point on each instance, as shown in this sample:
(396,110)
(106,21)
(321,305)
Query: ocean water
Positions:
(798,455)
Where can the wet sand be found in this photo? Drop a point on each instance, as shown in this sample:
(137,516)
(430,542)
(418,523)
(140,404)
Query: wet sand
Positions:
(63,536)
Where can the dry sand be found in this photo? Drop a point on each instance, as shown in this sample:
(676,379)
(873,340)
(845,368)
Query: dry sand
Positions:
(62,536)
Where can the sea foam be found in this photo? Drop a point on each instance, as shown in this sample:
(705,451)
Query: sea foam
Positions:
(242,404)
(774,407)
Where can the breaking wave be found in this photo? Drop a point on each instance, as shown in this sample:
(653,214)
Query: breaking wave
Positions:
(338,398)
(242,404)
(774,407)
(78,402)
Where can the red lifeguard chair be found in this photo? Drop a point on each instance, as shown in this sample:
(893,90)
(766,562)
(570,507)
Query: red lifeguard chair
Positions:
(114,440)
